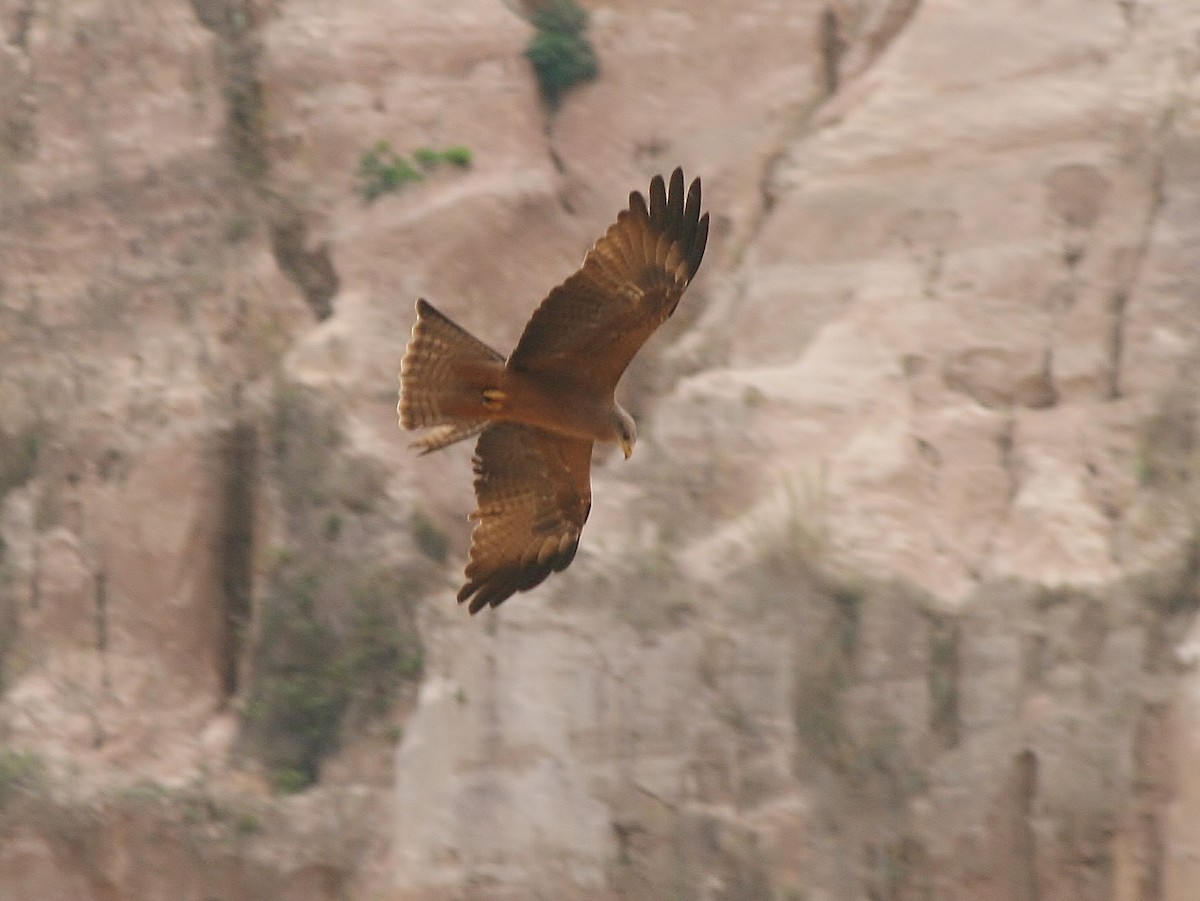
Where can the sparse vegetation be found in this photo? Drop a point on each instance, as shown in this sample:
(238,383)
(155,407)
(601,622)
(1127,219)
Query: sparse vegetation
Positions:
(336,636)
(333,526)
(426,157)
(322,484)
(10,622)
(943,680)
(239,227)
(458,156)
(321,666)
(560,52)
(247,823)
(1168,449)
(429,539)
(18,458)
(868,749)
(207,814)
(381,170)
(286,780)
(823,678)
(20,771)
(817,701)
(142,793)
(847,599)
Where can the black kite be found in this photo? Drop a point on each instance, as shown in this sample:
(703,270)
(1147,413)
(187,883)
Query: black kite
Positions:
(539,412)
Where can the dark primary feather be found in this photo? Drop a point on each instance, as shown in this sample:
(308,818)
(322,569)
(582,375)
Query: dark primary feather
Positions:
(588,328)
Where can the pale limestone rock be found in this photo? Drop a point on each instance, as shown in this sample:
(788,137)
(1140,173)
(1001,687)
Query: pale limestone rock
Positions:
(41,874)
(1182,860)
(503,805)
(1052,530)
(937,312)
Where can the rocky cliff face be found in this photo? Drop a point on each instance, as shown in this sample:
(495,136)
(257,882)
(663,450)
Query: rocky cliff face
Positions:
(894,601)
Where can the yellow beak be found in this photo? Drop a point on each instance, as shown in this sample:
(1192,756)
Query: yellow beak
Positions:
(627,447)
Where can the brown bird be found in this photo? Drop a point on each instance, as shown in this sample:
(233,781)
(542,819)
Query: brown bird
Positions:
(539,412)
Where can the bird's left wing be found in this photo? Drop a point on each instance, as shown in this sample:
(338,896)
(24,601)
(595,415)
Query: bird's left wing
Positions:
(588,328)
(533,490)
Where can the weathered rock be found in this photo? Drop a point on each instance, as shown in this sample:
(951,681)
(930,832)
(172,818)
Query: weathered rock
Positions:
(893,599)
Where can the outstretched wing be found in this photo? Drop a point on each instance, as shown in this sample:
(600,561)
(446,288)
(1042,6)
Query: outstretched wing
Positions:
(588,328)
(534,493)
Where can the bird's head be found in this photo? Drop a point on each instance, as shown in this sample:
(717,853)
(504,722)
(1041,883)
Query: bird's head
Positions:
(626,429)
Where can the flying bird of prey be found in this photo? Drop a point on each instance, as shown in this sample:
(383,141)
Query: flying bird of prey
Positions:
(539,412)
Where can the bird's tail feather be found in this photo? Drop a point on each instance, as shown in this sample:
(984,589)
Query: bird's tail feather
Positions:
(442,378)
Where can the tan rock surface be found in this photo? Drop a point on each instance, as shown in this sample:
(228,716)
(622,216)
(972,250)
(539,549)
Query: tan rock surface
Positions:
(893,600)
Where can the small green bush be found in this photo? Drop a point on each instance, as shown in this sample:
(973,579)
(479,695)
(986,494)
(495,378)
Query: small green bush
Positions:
(427,157)
(383,171)
(559,51)
(458,155)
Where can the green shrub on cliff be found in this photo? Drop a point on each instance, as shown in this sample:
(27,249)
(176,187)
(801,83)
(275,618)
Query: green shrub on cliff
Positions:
(560,52)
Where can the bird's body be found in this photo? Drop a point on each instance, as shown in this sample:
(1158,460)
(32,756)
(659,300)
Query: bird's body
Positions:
(538,412)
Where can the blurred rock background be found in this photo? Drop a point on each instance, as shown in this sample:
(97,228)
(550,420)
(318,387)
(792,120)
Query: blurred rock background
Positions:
(895,601)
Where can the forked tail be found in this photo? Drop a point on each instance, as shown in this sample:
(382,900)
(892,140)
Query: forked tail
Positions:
(442,379)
